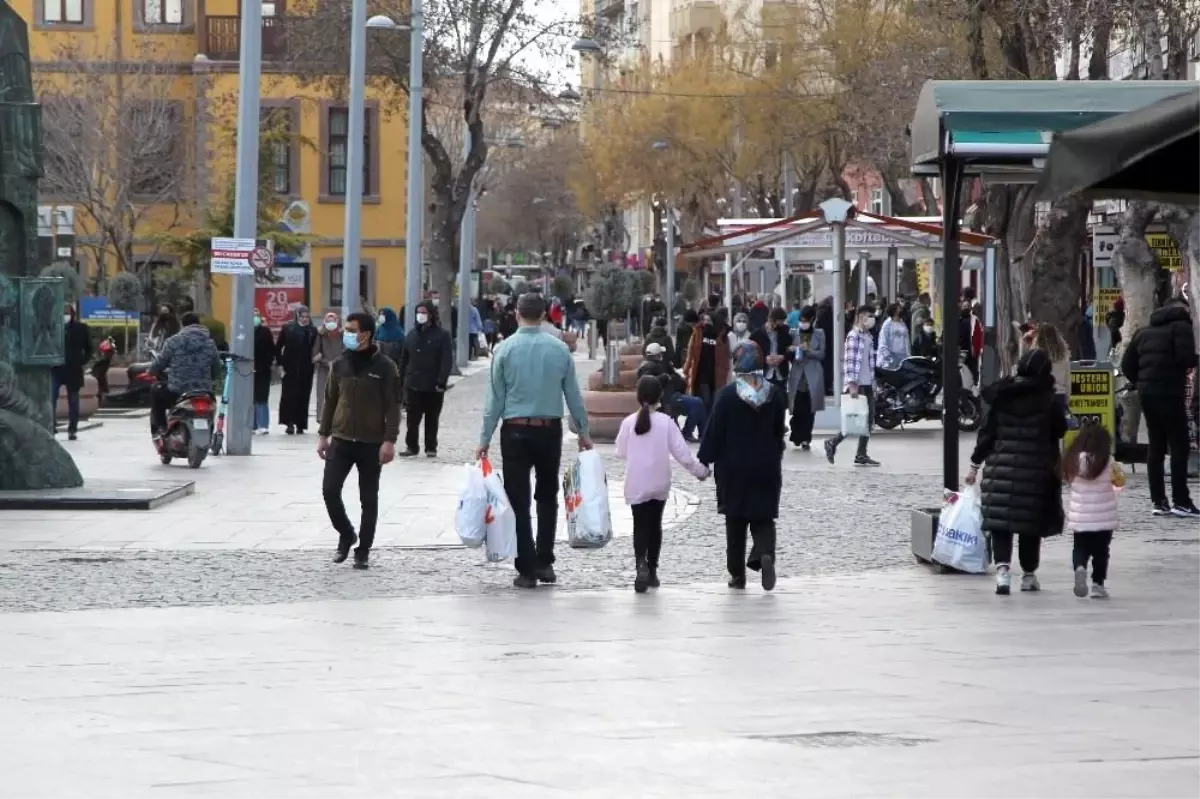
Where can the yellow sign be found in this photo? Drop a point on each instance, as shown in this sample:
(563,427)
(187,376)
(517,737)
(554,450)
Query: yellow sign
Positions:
(1102,303)
(1167,251)
(1091,400)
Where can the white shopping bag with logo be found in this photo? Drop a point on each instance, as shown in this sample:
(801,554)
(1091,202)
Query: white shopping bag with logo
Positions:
(856,416)
(585,495)
(470,520)
(501,535)
(960,542)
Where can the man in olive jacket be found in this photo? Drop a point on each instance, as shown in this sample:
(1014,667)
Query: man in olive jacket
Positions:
(359,426)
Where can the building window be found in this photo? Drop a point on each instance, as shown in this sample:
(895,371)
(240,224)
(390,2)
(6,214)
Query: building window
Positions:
(279,127)
(338,141)
(63,12)
(162,12)
(335,279)
(877,203)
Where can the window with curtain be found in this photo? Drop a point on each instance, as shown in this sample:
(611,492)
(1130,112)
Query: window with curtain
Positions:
(339,137)
(278,121)
(66,11)
(162,12)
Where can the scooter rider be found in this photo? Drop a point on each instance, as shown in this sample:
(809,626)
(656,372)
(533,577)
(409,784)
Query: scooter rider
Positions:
(190,361)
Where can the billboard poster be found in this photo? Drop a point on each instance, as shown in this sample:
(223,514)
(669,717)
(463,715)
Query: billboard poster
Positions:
(279,292)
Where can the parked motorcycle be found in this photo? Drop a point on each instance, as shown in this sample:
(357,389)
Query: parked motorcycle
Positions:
(189,429)
(104,355)
(909,394)
(137,394)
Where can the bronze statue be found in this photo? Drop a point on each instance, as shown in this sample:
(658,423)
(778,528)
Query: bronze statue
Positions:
(31,328)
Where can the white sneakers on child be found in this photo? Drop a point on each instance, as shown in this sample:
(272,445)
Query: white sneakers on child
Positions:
(1099,591)
(1081,587)
(1029,582)
(1003,581)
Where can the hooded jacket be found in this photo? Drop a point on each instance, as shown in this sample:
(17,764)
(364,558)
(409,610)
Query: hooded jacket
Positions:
(1018,445)
(1159,356)
(427,357)
(190,361)
(389,336)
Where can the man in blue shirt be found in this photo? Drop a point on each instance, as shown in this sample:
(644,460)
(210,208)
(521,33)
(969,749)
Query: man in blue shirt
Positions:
(532,372)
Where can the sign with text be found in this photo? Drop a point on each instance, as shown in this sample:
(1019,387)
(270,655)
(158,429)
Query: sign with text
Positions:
(1090,399)
(278,294)
(97,311)
(1167,251)
(232,256)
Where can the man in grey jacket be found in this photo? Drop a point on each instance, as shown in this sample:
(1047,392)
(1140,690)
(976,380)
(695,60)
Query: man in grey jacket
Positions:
(190,361)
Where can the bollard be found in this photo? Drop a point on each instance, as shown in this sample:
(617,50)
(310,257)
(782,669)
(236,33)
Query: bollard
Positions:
(612,364)
(591,339)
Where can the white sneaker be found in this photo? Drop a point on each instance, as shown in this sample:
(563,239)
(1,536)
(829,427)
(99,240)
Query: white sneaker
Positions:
(1099,591)
(1029,582)
(1081,588)
(1003,581)
(264,432)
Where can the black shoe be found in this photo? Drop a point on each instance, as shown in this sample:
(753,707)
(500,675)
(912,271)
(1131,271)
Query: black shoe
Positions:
(301,430)
(545,574)
(830,450)
(865,460)
(343,550)
(768,572)
(806,446)
(642,581)
(737,582)
(431,453)
(1188,511)
(1161,509)
(72,437)
(409,453)
(362,559)
(691,438)
(525,581)
(653,582)
(291,431)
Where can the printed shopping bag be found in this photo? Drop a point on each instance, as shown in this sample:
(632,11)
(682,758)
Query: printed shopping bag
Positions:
(960,542)
(501,537)
(585,493)
(856,416)
(470,520)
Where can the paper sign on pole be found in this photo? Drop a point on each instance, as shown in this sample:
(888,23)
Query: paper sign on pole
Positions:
(232,256)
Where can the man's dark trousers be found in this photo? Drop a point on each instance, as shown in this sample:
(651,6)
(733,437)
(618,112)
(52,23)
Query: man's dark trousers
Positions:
(425,405)
(525,448)
(1167,429)
(339,460)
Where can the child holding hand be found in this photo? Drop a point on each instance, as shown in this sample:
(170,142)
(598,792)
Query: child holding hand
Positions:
(1092,515)
(647,441)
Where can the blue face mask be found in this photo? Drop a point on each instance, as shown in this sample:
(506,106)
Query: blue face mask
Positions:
(350,340)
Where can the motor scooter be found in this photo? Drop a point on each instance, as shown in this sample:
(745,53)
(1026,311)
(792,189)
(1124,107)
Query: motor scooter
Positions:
(189,429)
(104,355)
(137,394)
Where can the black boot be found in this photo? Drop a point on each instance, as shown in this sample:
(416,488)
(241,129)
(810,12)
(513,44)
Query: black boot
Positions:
(343,549)
(654,577)
(362,558)
(642,581)
(737,582)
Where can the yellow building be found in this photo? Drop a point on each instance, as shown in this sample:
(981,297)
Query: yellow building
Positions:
(170,147)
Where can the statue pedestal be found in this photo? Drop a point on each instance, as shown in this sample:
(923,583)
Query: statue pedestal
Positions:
(100,495)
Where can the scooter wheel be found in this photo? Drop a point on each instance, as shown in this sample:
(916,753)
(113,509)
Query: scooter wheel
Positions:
(195,458)
(166,459)
(217,443)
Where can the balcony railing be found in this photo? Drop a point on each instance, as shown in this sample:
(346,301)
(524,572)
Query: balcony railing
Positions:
(223,38)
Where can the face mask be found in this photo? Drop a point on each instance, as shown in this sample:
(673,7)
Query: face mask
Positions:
(868,323)
(380,322)
(929,328)
(350,340)
(739,327)
(422,318)
(805,325)
(331,325)
(66,319)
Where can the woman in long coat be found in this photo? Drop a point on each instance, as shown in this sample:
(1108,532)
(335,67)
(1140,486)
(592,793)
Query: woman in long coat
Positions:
(264,362)
(743,441)
(1018,447)
(806,380)
(295,348)
(327,346)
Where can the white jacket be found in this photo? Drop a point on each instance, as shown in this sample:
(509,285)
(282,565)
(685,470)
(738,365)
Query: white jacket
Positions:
(1093,503)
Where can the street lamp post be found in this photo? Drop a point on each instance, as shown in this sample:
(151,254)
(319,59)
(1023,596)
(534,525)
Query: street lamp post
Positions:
(245,225)
(416,180)
(352,236)
(466,246)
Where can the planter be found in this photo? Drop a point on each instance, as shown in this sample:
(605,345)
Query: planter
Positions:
(631,361)
(626,380)
(606,410)
(634,348)
(88,400)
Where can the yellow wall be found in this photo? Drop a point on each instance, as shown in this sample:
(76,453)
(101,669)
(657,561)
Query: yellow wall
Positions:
(211,89)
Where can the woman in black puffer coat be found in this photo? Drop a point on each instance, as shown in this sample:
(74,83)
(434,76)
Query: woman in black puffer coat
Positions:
(1018,446)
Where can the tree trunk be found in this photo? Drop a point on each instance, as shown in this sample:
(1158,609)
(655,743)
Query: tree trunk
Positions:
(1137,270)
(1183,225)
(1054,295)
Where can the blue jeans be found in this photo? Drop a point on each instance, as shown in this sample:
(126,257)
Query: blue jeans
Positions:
(694,412)
(262,416)
(72,403)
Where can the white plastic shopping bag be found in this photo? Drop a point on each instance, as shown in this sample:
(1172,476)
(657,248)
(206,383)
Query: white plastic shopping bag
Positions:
(470,520)
(585,494)
(960,542)
(501,536)
(856,416)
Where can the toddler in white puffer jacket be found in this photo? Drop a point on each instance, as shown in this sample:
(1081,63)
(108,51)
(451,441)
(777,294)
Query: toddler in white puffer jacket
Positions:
(1092,514)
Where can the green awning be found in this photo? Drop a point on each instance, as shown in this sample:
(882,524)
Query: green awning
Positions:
(1024,114)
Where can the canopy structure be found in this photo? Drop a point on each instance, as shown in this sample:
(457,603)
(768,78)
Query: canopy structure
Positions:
(1000,131)
(1149,154)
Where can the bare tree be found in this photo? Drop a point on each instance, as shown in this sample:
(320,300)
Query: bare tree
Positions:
(116,148)
(478,54)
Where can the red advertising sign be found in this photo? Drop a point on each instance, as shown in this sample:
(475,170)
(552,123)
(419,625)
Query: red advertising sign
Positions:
(277,297)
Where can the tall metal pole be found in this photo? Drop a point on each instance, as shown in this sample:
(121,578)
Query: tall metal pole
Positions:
(729,284)
(952,287)
(352,238)
(669,300)
(839,312)
(245,226)
(465,256)
(416,179)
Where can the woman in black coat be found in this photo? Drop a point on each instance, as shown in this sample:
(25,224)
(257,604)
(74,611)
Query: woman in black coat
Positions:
(77,348)
(825,323)
(295,356)
(743,441)
(1018,446)
(264,361)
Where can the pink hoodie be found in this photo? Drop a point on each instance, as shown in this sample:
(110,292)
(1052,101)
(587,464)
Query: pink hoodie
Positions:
(648,473)
(1093,503)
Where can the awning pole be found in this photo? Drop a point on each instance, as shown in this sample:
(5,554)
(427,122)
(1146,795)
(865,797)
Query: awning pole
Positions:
(951,289)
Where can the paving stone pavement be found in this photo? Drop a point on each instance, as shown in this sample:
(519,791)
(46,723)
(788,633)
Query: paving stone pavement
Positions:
(833,520)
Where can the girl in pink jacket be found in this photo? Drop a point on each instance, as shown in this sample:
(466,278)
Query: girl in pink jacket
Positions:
(1092,511)
(647,441)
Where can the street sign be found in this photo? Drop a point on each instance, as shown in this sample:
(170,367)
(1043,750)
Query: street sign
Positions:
(1090,399)
(1167,251)
(232,256)
(262,259)
(1104,241)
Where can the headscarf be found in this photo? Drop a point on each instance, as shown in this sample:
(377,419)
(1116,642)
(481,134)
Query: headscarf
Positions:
(337,330)
(1035,363)
(301,310)
(390,330)
(752,388)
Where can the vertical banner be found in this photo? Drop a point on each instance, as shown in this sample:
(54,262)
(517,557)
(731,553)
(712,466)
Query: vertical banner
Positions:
(279,292)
